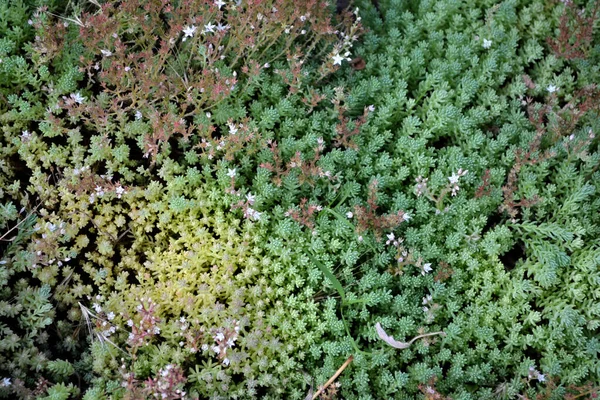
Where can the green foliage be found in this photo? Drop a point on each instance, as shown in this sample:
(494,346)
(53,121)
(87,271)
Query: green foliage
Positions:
(243,241)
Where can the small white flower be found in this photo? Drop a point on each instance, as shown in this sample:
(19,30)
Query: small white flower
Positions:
(454,178)
(77,97)
(110,316)
(120,191)
(406,217)
(189,31)
(6,382)
(552,88)
(220,337)
(231,173)
(156,330)
(219,3)
(221,27)
(216,349)
(130,322)
(349,214)
(487,43)
(25,135)
(97,307)
(209,28)
(204,347)
(254,214)
(127,68)
(232,128)
(226,361)
(426,269)
(138,115)
(572,136)
(371,108)
(251,198)
(337,59)
(541,377)
(391,238)
(266,65)
(360,238)
(106,53)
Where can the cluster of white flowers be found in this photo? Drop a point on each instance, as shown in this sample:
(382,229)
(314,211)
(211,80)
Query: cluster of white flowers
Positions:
(341,51)
(392,240)
(426,300)
(225,339)
(421,187)
(120,191)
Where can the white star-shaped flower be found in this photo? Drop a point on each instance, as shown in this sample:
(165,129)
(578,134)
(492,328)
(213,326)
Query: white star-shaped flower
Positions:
(209,27)
(454,178)
(106,53)
(487,43)
(406,217)
(337,59)
(189,31)
(232,128)
(426,269)
(77,97)
(221,27)
(219,3)
(231,173)
(552,88)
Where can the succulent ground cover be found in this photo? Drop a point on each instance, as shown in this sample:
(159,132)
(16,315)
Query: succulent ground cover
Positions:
(273,199)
